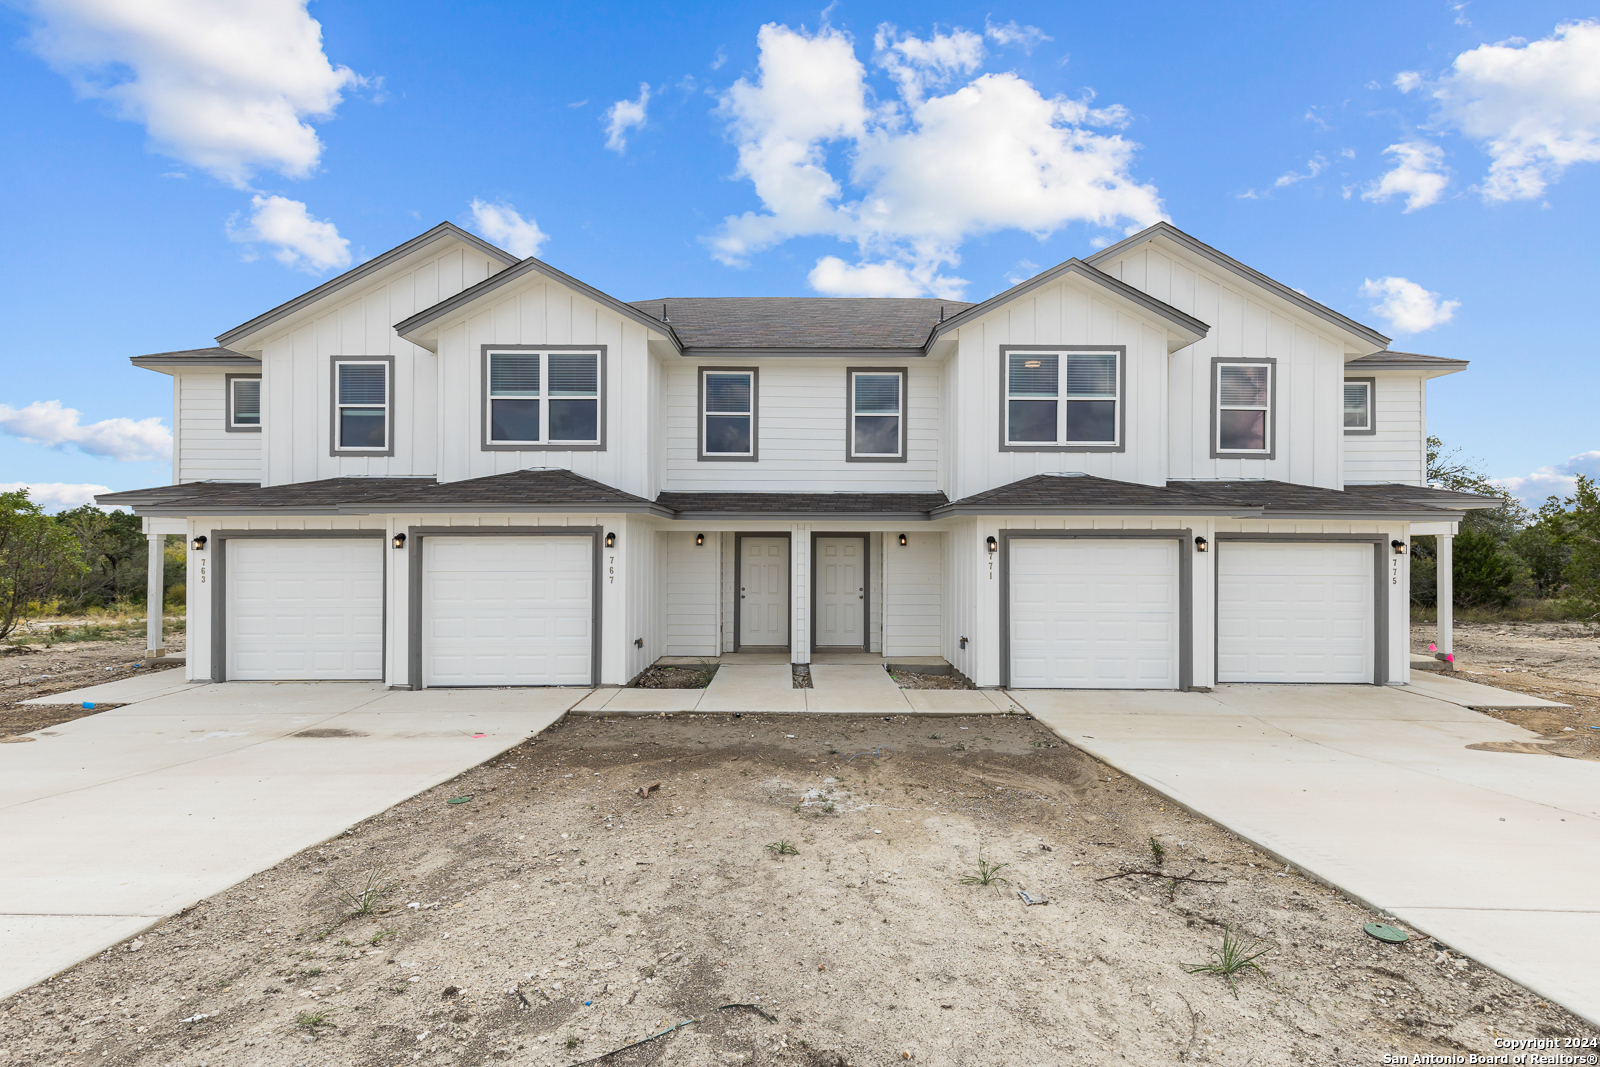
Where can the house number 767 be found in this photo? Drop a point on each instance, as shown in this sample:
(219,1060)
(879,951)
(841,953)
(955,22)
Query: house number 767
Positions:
(612,570)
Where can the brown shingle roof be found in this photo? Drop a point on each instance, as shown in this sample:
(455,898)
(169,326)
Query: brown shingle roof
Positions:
(801,321)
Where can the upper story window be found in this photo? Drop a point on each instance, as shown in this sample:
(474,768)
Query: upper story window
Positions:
(243,403)
(877,423)
(729,421)
(363,406)
(541,399)
(1242,421)
(1358,399)
(1066,399)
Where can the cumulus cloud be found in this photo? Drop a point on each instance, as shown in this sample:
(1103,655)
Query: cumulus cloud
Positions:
(223,85)
(1026,38)
(46,422)
(1558,479)
(1406,306)
(623,116)
(58,496)
(300,241)
(924,172)
(1419,175)
(1535,107)
(501,224)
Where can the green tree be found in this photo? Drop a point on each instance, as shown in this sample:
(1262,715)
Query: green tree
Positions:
(1543,548)
(1582,530)
(37,554)
(115,555)
(1483,571)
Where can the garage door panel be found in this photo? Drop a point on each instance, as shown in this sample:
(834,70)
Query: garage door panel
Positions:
(1295,613)
(304,608)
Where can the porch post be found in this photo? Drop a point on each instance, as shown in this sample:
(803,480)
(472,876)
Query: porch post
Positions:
(154,601)
(800,592)
(1444,576)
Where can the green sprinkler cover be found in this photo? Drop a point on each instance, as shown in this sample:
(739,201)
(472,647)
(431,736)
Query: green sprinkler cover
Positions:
(1387,933)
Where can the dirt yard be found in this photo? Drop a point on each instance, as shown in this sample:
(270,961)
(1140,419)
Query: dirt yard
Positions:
(544,913)
(28,671)
(1553,660)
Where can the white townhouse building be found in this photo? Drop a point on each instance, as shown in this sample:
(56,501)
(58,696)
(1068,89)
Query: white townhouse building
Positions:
(1152,468)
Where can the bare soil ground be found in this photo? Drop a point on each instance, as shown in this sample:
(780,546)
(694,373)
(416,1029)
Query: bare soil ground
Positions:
(918,680)
(1554,660)
(543,914)
(675,677)
(29,671)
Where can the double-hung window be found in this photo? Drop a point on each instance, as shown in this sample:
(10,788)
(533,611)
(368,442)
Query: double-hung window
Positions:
(1244,418)
(244,403)
(1358,405)
(877,415)
(362,406)
(1066,399)
(728,420)
(539,399)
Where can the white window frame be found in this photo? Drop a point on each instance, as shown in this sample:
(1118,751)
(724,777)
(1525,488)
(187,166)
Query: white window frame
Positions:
(1270,410)
(336,445)
(233,424)
(544,443)
(851,414)
(1064,354)
(754,414)
(1370,386)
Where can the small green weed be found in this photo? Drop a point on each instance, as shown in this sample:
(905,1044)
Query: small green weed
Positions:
(369,896)
(314,1020)
(1158,851)
(1234,956)
(986,873)
(381,936)
(782,847)
(933,737)
(573,1040)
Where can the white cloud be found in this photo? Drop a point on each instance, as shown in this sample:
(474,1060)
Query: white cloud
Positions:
(502,224)
(1314,166)
(924,173)
(1418,175)
(832,276)
(1407,80)
(1558,479)
(623,116)
(1026,38)
(1535,106)
(223,85)
(1025,269)
(46,422)
(301,241)
(56,496)
(1406,306)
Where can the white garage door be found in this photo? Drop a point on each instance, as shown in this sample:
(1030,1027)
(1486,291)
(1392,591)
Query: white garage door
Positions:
(304,608)
(507,611)
(1294,612)
(1089,614)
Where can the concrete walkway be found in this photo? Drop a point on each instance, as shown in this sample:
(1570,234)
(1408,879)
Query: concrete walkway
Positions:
(838,688)
(1374,790)
(114,821)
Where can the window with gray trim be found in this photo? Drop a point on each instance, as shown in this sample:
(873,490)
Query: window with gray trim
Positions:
(542,398)
(728,414)
(876,415)
(1358,402)
(1065,399)
(1243,394)
(244,403)
(361,405)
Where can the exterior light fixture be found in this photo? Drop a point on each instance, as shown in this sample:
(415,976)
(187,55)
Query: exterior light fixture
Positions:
(699,539)
(399,540)
(1399,547)
(1202,545)
(611,540)
(963,642)
(994,546)
(902,540)
(199,543)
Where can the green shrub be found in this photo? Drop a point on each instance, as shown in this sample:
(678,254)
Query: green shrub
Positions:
(1483,570)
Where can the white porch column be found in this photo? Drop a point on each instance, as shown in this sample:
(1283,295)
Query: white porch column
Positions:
(800,593)
(1444,577)
(155,605)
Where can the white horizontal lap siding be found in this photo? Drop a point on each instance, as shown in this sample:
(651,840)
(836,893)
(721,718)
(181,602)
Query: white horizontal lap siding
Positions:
(913,600)
(206,451)
(1066,312)
(692,597)
(1396,453)
(1310,369)
(801,426)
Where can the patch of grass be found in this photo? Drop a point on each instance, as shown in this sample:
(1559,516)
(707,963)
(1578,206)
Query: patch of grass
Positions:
(703,673)
(782,847)
(368,897)
(573,1040)
(959,746)
(314,1021)
(933,737)
(986,873)
(1234,956)
(304,972)
(1158,851)
(1523,609)
(381,936)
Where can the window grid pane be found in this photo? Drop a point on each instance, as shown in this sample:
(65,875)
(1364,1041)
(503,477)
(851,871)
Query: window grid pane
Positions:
(728,394)
(1356,406)
(513,374)
(1092,375)
(1033,375)
(574,374)
(877,435)
(363,383)
(1243,386)
(877,394)
(247,401)
(1244,394)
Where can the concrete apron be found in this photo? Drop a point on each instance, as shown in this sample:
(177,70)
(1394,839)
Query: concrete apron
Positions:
(768,688)
(118,820)
(1373,791)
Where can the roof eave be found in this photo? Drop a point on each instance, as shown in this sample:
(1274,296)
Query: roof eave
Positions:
(1240,512)
(853,352)
(161,363)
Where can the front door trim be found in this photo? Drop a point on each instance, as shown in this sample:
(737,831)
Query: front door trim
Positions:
(866,588)
(738,584)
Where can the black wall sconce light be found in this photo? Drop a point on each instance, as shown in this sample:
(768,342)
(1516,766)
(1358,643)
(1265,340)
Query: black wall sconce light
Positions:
(199,543)
(611,540)
(1202,545)
(1399,547)
(399,540)
(994,546)
(902,540)
(699,539)
(963,642)
(638,642)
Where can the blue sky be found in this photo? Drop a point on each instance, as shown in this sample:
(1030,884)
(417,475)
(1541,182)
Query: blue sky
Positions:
(1428,167)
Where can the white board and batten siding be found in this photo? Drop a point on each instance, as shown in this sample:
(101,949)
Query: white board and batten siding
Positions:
(913,594)
(1065,312)
(690,576)
(1397,452)
(203,448)
(1310,371)
(359,321)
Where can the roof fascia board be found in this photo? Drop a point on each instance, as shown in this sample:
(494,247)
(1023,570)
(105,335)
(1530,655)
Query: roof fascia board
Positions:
(804,516)
(1245,512)
(1418,515)
(250,329)
(695,352)
(159,363)
(1199,248)
(1187,325)
(394,509)
(528,266)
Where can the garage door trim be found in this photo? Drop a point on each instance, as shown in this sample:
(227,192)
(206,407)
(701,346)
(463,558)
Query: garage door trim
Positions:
(1185,588)
(1380,590)
(415,535)
(219,580)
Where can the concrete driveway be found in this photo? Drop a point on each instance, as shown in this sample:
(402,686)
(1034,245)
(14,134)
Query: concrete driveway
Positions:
(114,821)
(1375,791)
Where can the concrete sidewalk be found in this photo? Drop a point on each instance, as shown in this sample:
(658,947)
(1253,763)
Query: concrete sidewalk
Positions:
(114,821)
(863,688)
(1374,790)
